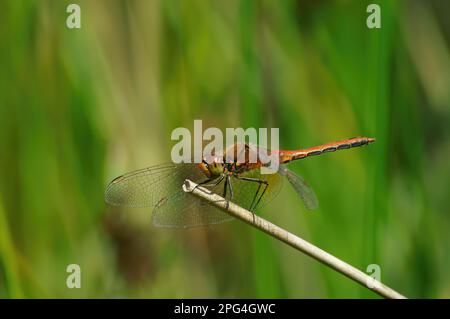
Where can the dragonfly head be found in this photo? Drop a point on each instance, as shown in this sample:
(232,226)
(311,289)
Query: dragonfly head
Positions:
(211,169)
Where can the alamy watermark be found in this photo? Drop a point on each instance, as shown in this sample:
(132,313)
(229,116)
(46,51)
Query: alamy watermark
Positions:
(74,278)
(374,272)
(73,20)
(374,19)
(239,145)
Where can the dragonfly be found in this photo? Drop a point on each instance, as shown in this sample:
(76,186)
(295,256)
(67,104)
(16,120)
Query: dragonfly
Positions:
(233,177)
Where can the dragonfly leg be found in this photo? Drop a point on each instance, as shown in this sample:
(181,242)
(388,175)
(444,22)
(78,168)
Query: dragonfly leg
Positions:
(205,182)
(216,182)
(256,198)
(202,183)
(225,188)
(230,187)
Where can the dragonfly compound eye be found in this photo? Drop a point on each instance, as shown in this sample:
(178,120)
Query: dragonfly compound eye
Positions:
(204,167)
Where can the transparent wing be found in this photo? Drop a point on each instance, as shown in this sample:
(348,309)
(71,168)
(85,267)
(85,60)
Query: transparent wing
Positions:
(245,191)
(247,186)
(184,210)
(160,187)
(302,188)
(145,187)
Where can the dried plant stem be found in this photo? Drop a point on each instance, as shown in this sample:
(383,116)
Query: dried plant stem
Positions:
(292,240)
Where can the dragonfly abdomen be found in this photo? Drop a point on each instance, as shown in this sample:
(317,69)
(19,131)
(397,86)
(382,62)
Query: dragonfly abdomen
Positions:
(288,156)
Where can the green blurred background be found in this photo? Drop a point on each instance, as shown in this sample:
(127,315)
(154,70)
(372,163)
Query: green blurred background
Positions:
(80,107)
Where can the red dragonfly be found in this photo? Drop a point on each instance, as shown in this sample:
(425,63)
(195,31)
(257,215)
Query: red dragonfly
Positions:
(241,181)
